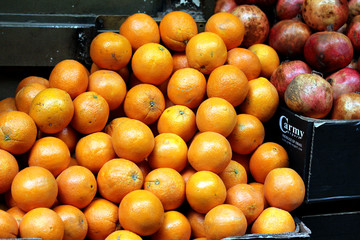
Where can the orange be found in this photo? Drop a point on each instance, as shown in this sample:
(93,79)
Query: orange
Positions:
(24,96)
(69,136)
(266,157)
(31,79)
(18,132)
(144,102)
(175,226)
(259,187)
(77,186)
(94,150)
(110,85)
(187,172)
(109,128)
(152,63)
(243,160)
(102,218)
(34,187)
(42,223)
(7,105)
(273,220)
(168,185)
(268,57)
(246,61)
(110,50)
(216,115)
(70,76)
(17,213)
(133,140)
(196,221)
(123,72)
(206,51)
(170,151)
(179,61)
(233,174)
(117,178)
(228,82)
(176,29)
(262,99)
(209,151)
(141,212)
(8,225)
(224,221)
(187,87)
(75,223)
(123,234)
(247,135)
(228,26)
(246,198)
(140,28)
(50,153)
(178,119)
(9,169)
(52,110)
(91,112)
(284,188)
(204,191)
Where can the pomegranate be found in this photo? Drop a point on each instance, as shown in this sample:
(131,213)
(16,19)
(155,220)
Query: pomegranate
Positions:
(354,8)
(288,37)
(256,24)
(285,73)
(224,6)
(346,107)
(344,81)
(353,32)
(324,15)
(328,51)
(288,9)
(309,95)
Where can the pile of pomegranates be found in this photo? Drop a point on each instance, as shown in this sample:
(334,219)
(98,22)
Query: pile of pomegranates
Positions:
(318,42)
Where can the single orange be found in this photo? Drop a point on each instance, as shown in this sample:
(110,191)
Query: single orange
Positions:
(8,225)
(204,191)
(246,61)
(141,212)
(31,79)
(187,87)
(110,85)
(266,157)
(247,135)
(34,187)
(52,110)
(168,185)
(176,29)
(268,57)
(117,178)
(196,222)
(123,72)
(262,99)
(70,76)
(152,63)
(140,28)
(206,51)
(175,226)
(209,151)
(9,169)
(179,61)
(24,96)
(233,174)
(7,105)
(170,151)
(144,102)
(110,50)
(228,26)
(123,234)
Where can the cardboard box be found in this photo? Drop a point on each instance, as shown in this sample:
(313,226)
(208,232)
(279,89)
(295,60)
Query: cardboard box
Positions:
(326,153)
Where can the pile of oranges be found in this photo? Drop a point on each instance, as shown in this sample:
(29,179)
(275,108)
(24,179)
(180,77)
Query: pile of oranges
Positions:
(162,138)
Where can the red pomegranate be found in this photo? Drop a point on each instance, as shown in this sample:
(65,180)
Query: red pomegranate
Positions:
(256,24)
(354,8)
(288,9)
(325,15)
(285,73)
(344,81)
(346,107)
(309,95)
(328,51)
(288,37)
(353,32)
(224,6)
